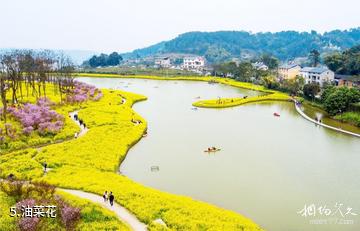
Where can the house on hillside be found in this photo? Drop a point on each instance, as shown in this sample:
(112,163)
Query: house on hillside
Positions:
(288,71)
(347,81)
(163,62)
(196,63)
(260,66)
(318,75)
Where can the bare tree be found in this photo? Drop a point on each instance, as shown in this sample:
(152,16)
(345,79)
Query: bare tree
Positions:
(3,90)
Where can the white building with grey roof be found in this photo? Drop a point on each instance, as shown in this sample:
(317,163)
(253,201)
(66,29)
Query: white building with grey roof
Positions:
(319,75)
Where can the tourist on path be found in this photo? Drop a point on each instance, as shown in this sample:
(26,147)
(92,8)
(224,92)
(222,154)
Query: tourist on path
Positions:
(111,199)
(105,196)
(45,167)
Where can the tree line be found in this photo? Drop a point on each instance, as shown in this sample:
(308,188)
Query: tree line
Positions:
(104,60)
(224,45)
(346,62)
(27,73)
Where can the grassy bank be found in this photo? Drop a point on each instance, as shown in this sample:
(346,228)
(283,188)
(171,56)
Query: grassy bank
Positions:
(349,117)
(90,163)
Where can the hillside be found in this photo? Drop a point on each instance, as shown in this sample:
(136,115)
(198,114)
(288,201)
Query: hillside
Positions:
(224,45)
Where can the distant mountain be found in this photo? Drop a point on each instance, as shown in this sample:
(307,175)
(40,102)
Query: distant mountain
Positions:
(225,45)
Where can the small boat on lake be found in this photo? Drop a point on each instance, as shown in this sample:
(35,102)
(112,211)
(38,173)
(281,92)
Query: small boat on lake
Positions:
(276,114)
(209,150)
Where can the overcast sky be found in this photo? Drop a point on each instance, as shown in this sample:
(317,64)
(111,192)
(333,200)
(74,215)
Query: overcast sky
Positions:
(124,25)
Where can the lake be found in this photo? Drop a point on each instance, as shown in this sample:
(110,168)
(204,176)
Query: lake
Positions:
(268,168)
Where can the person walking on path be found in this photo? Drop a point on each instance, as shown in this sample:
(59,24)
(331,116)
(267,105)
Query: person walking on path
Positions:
(45,166)
(111,199)
(105,196)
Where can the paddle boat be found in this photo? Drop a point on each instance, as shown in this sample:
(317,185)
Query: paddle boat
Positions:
(213,149)
(276,114)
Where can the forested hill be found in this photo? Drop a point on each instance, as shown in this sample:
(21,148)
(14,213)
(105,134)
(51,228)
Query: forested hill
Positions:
(223,45)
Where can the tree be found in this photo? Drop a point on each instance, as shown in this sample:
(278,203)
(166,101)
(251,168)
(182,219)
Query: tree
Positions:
(270,82)
(3,90)
(104,60)
(224,69)
(346,63)
(93,61)
(311,90)
(245,71)
(114,59)
(340,100)
(293,85)
(334,62)
(328,90)
(314,57)
(270,61)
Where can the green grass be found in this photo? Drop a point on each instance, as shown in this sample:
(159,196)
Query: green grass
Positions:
(349,117)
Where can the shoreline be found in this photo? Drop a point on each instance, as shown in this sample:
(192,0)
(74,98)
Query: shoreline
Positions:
(272,95)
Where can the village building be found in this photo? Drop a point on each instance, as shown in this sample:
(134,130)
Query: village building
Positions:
(347,81)
(260,66)
(196,63)
(164,62)
(318,75)
(288,71)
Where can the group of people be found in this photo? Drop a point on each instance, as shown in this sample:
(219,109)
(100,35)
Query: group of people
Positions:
(318,120)
(81,122)
(109,196)
(212,149)
(136,121)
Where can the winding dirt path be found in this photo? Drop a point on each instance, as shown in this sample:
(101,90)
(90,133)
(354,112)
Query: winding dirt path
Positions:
(83,130)
(120,211)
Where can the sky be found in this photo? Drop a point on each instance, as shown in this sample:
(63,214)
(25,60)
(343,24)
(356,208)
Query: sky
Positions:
(124,25)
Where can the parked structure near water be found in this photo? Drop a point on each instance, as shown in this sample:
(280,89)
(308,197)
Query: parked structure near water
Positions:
(288,71)
(319,75)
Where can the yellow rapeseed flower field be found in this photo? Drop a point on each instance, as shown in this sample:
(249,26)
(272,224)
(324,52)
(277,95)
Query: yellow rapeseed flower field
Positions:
(90,163)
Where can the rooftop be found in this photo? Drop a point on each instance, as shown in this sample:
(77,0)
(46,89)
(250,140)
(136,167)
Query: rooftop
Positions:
(353,78)
(318,70)
(288,66)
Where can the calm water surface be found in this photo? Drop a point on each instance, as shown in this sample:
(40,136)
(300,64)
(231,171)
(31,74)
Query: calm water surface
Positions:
(268,168)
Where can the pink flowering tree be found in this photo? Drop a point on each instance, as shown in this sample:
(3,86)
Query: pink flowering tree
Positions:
(83,92)
(38,117)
